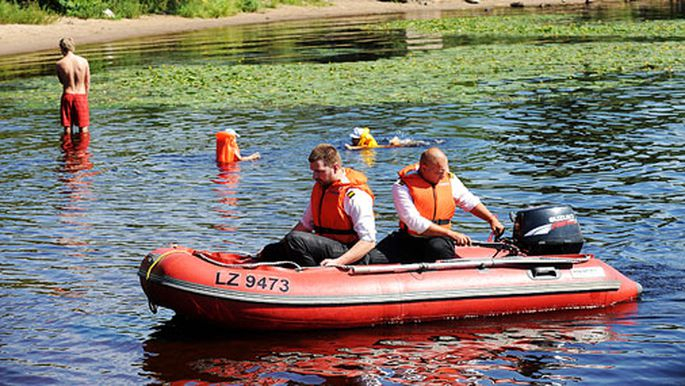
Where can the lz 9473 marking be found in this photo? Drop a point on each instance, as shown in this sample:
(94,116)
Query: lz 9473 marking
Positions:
(233,279)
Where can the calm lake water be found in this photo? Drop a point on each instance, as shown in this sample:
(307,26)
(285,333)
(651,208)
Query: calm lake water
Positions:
(76,225)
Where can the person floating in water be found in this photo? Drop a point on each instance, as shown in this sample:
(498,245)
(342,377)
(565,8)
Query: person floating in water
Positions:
(361,136)
(227,149)
(362,139)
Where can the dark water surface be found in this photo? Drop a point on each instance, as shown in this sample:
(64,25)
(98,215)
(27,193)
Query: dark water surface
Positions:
(76,225)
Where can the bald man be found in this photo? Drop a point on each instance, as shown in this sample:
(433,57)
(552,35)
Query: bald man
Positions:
(426,196)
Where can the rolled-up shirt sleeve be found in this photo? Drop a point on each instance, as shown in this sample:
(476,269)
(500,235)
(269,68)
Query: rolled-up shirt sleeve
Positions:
(360,209)
(406,209)
(462,195)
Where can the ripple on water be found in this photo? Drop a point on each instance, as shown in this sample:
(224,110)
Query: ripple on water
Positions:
(75,226)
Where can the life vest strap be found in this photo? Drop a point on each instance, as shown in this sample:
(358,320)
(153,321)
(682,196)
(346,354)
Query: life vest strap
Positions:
(331,231)
(404,226)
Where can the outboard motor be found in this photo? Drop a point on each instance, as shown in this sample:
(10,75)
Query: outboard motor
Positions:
(547,230)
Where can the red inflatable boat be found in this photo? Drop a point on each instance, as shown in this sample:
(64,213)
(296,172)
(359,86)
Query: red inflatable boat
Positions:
(491,279)
(216,288)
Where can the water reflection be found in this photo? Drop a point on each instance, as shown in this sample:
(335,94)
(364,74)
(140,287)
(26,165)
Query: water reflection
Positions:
(72,236)
(516,349)
(417,41)
(623,135)
(227,191)
(368,156)
(324,41)
(74,145)
(74,174)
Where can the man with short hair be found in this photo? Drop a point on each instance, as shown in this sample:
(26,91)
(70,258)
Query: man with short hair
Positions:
(338,226)
(73,72)
(426,196)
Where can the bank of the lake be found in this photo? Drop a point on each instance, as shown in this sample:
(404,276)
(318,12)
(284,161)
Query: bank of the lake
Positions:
(19,38)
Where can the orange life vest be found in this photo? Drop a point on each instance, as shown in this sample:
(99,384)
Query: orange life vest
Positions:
(434,202)
(226,147)
(328,212)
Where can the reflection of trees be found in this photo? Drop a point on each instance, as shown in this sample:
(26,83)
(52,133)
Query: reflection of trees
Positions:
(614,154)
(326,40)
(590,133)
(319,41)
(510,349)
(628,134)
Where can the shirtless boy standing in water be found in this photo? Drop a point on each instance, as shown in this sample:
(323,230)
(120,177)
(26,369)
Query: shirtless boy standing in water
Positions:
(73,72)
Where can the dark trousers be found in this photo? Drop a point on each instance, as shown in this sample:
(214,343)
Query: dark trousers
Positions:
(401,247)
(309,249)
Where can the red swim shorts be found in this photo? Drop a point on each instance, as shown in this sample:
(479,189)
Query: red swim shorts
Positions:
(75,110)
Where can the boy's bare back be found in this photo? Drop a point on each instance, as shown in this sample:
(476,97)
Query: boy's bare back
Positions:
(73,72)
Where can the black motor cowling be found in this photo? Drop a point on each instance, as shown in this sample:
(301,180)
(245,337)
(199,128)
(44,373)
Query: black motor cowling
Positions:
(547,230)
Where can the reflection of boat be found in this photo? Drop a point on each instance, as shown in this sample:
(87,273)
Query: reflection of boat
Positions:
(487,349)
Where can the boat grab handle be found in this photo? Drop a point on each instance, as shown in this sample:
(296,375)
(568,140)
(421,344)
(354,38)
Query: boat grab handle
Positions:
(544,273)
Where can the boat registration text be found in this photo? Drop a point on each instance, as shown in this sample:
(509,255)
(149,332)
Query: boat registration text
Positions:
(234,279)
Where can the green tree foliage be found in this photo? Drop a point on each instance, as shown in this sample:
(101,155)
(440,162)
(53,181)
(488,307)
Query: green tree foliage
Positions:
(134,8)
(25,12)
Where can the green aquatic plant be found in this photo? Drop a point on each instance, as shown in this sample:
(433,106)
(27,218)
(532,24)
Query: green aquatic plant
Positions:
(543,27)
(461,74)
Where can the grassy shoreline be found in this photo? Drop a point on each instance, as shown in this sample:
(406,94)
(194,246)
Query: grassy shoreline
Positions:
(31,13)
(48,11)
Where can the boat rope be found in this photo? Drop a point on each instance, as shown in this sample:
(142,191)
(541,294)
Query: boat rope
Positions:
(499,246)
(163,255)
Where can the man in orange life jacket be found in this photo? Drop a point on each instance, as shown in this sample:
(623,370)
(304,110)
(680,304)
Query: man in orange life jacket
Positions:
(426,196)
(338,226)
